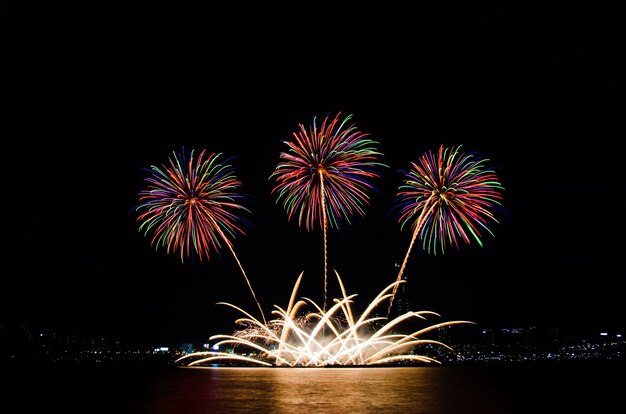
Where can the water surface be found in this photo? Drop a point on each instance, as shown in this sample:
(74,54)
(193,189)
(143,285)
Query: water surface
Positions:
(516,388)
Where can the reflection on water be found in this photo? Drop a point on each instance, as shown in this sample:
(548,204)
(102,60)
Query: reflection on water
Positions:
(345,390)
(468,389)
(516,388)
(327,390)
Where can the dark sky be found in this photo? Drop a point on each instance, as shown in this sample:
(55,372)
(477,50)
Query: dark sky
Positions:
(95,96)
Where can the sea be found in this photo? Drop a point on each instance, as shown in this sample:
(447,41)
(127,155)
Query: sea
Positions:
(534,387)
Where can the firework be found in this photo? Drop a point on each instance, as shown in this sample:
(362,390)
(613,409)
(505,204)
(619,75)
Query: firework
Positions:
(325,176)
(325,338)
(447,199)
(192,206)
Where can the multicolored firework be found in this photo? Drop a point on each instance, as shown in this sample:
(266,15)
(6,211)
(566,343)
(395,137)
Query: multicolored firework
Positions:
(325,177)
(192,206)
(447,197)
(333,338)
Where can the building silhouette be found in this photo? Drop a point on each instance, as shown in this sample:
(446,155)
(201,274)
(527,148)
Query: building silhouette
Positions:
(402,303)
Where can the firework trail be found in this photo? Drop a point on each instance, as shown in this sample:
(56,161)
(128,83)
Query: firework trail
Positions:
(325,176)
(447,197)
(191,207)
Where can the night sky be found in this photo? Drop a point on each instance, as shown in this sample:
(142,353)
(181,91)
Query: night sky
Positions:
(97,96)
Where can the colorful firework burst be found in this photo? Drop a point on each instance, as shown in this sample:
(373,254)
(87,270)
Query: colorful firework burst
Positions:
(332,164)
(192,206)
(326,176)
(447,197)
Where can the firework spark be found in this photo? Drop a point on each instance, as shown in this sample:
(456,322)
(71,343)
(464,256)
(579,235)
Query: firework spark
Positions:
(192,206)
(298,339)
(325,176)
(447,197)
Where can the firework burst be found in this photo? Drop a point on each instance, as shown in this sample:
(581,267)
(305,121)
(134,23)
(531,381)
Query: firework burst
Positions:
(325,176)
(192,207)
(447,198)
(337,337)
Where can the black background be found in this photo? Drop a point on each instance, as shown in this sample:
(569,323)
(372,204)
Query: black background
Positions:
(96,93)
